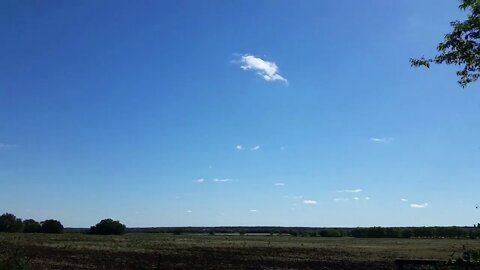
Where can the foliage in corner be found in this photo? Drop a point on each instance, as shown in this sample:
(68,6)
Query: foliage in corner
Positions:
(461,47)
(14,259)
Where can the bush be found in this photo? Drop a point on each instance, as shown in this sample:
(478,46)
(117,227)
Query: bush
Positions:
(10,223)
(14,259)
(331,233)
(108,226)
(51,226)
(178,231)
(31,226)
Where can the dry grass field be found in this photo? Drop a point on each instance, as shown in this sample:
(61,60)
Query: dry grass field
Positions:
(165,251)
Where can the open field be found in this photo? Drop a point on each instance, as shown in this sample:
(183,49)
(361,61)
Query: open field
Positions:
(142,251)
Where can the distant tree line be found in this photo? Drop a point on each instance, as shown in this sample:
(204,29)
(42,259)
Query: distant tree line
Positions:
(10,223)
(418,232)
(370,232)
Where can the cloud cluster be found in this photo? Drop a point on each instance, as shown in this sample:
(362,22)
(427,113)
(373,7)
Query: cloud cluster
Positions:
(311,202)
(416,205)
(240,147)
(348,199)
(268,70)
(350,190)
(381,140)
(217,180)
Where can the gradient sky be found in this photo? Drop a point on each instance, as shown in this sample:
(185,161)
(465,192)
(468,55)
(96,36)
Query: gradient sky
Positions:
(204,113)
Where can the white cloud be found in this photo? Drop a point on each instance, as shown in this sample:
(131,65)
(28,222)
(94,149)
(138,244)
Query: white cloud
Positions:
(309,202)
(381,140)
(189,211)
(253,210)
(350,190)
(255,148)
(223,180)
(268,70)
(239,147)
(415,205)
(367,198)
(279,184)
(356,198)
(201,180)
(341,199)
(404,200)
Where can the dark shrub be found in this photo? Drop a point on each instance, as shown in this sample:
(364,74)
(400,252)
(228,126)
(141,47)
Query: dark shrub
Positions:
(178,231)
(51,226)
(331,233)
(108,226)
(31,226)
(10,223)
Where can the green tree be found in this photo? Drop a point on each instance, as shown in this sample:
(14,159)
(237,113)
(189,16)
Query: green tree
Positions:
(31,226)
(51,226)
(461,47)
(10,223)
(108,226)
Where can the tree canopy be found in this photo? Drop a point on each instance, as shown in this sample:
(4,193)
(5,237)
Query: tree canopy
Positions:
(461,46)
(51,226)
(108,226)
(31,226)
(10,223)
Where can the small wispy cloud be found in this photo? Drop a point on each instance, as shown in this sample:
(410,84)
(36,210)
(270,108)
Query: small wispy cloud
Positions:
(6,145)
(404,200)
(415,205)
(295,197)
(268,70)
(239,147)
(367,198)
(381,140)
(356,198)
(224,180)
(350,190)
(200,180)
(341,199)
(189,211)
(255,148)
(311,202)
(279,184)
(253,210)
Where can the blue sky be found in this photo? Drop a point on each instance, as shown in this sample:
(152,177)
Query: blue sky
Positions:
(293,113)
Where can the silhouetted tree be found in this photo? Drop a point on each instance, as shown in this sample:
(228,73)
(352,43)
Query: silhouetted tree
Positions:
(51,226)
(10,223)
(461,47)
(31,226)
(108,226)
